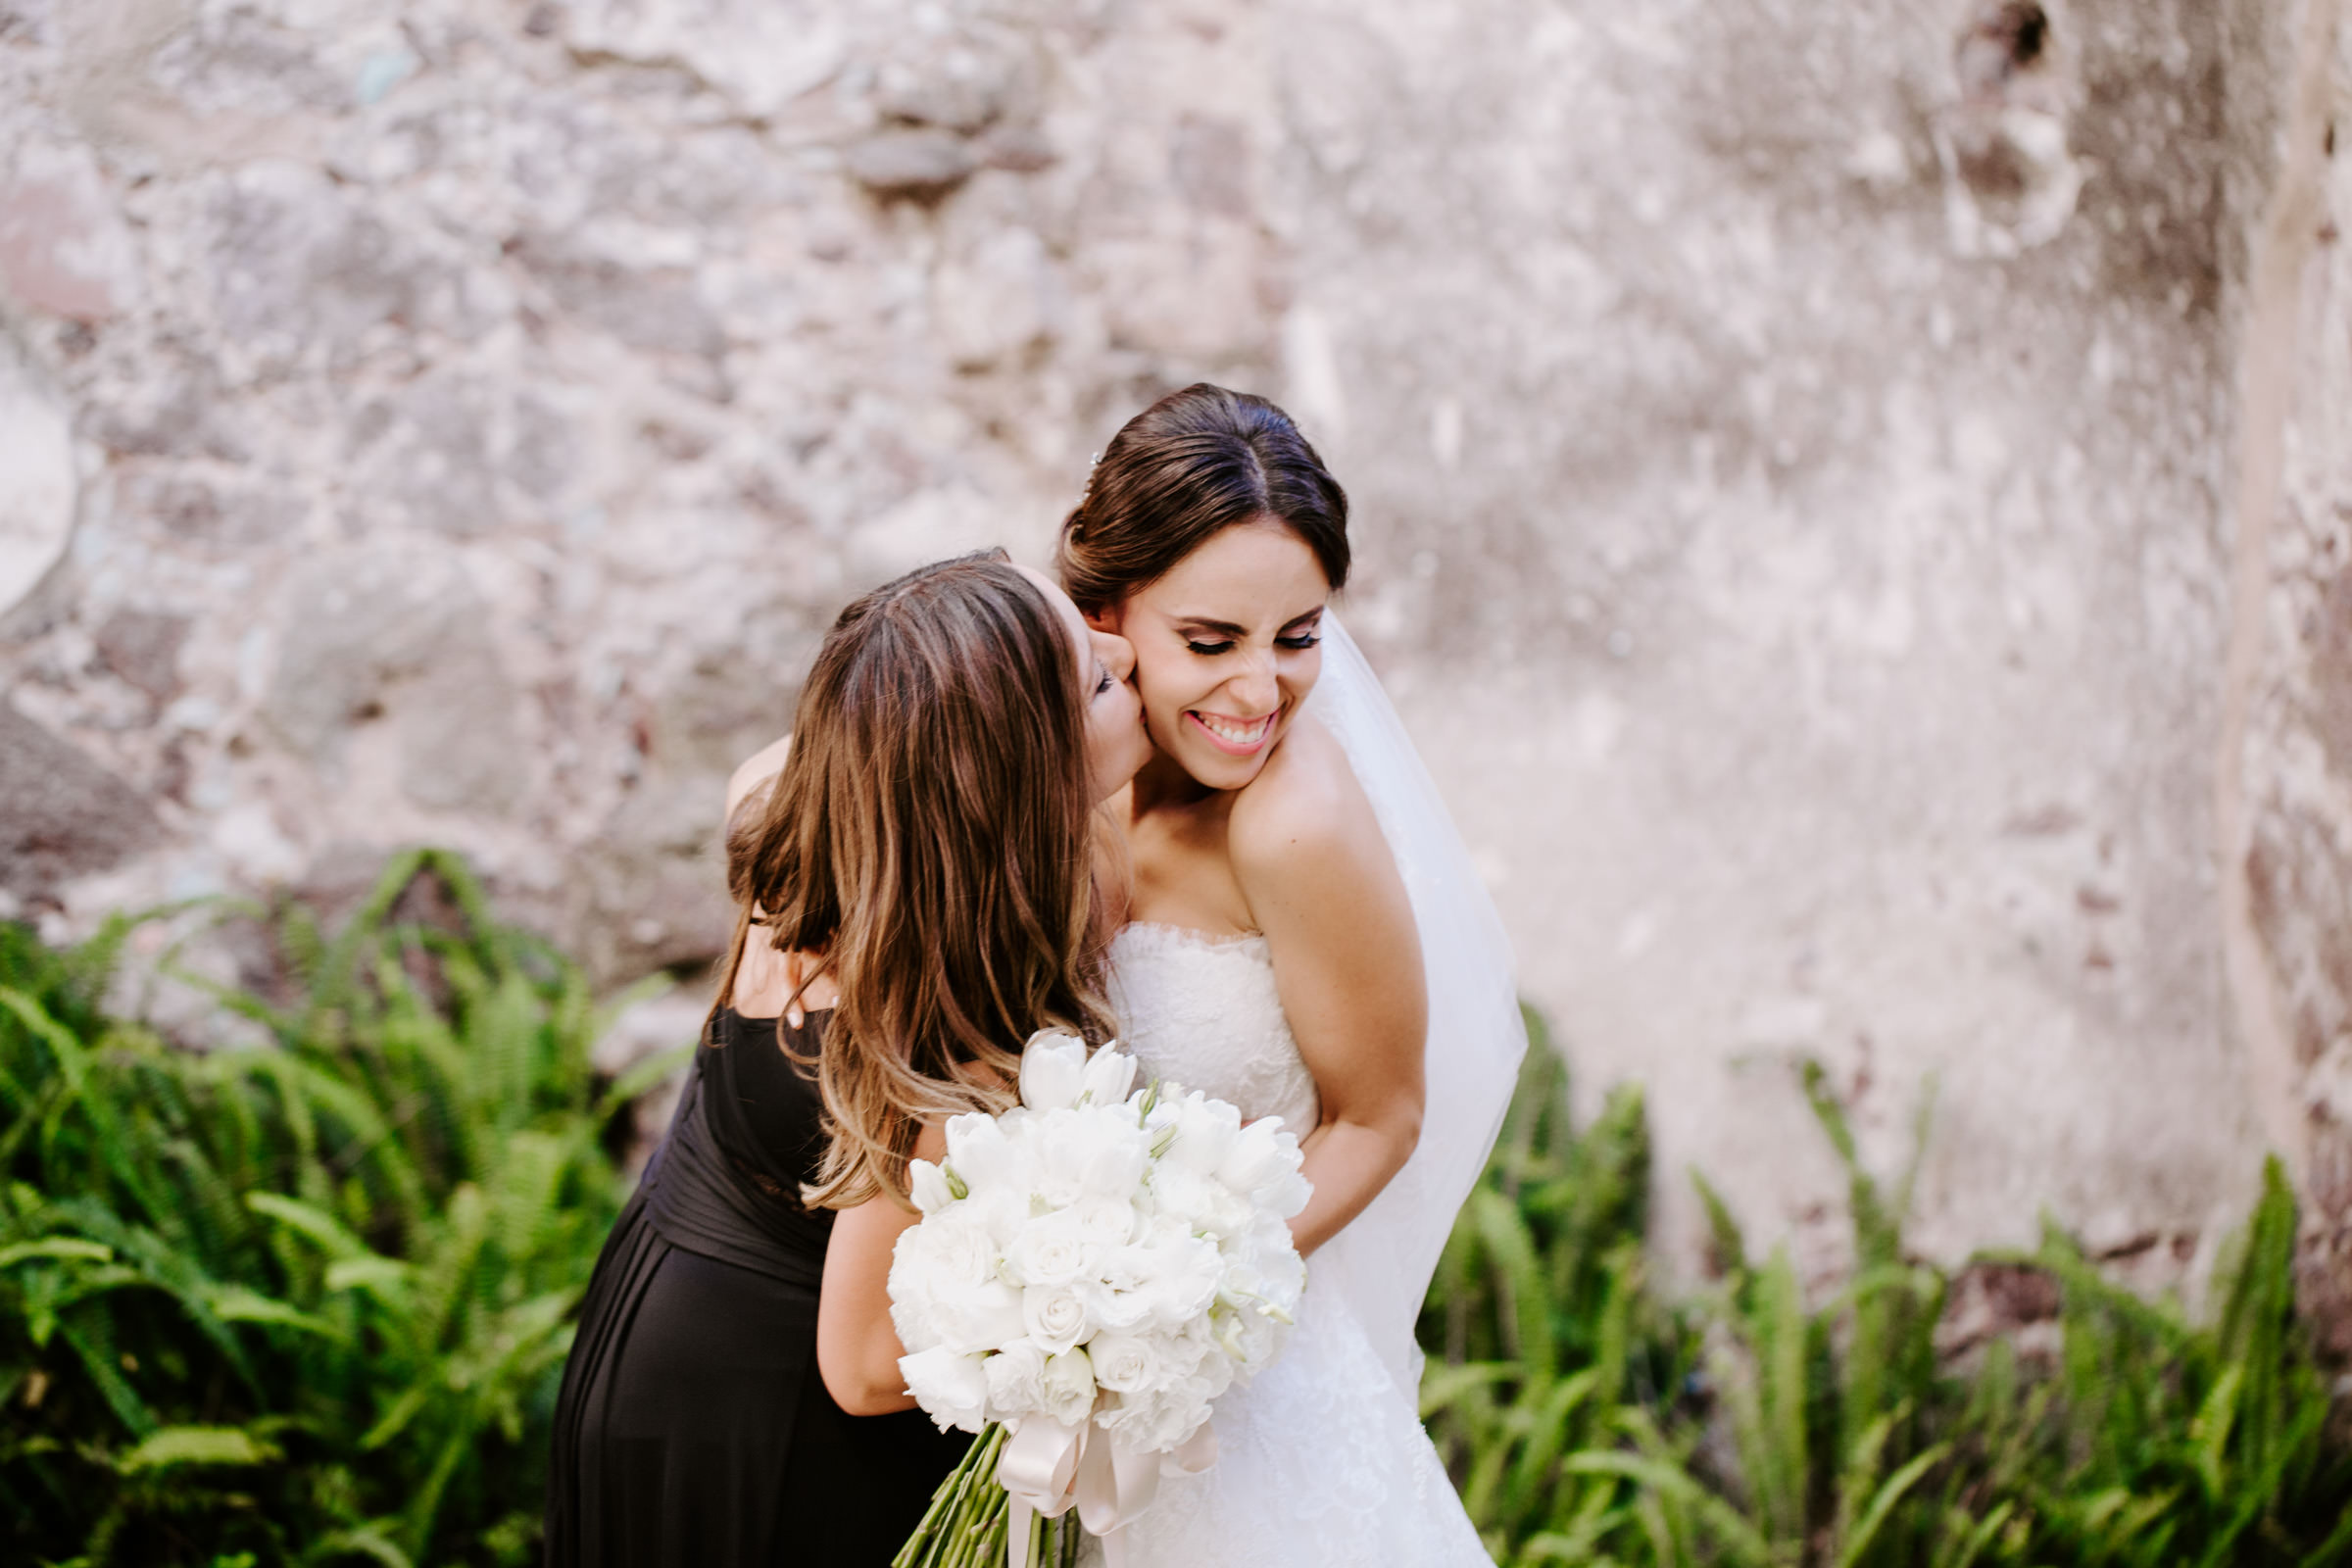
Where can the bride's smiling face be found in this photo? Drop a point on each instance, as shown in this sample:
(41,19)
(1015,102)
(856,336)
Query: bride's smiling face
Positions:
(1227,645)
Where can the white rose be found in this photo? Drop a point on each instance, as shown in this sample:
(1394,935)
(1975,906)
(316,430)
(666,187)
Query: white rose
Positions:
(951,1388)
(1016,1380)
(1068,1385)
(1124,1363)
(1052,1070)
(1104,1219)
(1051,1250)
(1109,1073)
(927,1186)
(1056,1317)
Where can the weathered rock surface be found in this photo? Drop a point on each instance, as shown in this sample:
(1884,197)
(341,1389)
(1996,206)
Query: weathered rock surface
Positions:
(2286,762)
(60,815)
(1800,457)
(38,485)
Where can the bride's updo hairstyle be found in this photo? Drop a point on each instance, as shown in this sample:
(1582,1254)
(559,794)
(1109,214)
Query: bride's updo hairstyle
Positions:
(1188,468)
(928,837)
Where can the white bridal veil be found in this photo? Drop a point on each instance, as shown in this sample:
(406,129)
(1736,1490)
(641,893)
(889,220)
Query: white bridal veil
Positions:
(1381,1263)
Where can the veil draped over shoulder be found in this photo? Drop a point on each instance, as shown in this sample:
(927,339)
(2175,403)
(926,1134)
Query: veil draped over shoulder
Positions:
(1382,1261)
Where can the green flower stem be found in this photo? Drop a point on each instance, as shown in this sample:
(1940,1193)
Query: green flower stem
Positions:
(960,1512)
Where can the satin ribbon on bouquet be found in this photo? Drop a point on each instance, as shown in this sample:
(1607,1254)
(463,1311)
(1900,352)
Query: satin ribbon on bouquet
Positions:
(1049,1467)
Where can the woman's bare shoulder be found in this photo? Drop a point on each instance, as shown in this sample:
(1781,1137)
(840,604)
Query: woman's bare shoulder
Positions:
(1305,802)
(756,770)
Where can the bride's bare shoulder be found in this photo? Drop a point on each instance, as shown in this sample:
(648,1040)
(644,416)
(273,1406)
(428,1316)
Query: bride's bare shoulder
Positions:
(1305,800)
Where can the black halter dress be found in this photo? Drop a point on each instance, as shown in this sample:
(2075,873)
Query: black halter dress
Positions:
(693,1430)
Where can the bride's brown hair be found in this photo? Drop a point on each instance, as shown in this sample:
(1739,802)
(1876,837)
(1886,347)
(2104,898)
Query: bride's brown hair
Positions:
(1188,468)
(928,837)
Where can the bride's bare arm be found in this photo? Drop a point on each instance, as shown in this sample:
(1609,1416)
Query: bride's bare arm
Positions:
(857,1349)
(1323,887)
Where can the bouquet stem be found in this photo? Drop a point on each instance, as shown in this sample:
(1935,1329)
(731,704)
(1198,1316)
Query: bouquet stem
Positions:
(970,1517)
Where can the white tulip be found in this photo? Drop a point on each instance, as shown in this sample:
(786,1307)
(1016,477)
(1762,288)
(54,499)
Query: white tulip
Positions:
(980,1153)
(1109,1074)
(927,1187)
(1258,1155)
(1205,1131)
(1052,1071)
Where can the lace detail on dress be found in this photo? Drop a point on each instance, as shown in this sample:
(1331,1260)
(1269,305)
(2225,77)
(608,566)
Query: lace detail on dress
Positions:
(1322,1462)
(1204,1011)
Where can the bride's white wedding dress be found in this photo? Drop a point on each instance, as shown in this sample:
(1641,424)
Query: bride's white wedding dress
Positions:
(1322,1459)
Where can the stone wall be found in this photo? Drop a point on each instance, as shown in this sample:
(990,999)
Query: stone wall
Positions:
(2284,786)
(1797,452)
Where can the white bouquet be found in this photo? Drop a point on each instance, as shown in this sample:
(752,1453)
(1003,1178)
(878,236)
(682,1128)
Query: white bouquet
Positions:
(1093,1268)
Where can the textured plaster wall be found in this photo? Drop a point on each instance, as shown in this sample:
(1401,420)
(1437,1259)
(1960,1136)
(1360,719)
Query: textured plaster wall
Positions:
(2283,784)
(1797,452)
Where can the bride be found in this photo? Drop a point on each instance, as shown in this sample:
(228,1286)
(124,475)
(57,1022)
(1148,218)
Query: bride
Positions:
(1306,937)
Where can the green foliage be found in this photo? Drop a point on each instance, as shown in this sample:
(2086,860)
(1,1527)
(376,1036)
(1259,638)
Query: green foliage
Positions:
(1587,1423)
(308,1302)
(305,1300)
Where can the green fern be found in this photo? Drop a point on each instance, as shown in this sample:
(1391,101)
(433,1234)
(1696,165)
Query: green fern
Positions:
(305,1302)
(1749,1426)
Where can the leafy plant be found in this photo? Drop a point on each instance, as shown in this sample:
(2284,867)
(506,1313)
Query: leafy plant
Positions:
(1585,1423)
(304,1301)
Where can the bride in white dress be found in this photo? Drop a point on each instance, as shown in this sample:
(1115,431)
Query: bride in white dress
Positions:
(1305,937)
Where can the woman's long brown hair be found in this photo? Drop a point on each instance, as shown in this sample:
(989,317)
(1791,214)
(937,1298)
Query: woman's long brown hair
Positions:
(929,837)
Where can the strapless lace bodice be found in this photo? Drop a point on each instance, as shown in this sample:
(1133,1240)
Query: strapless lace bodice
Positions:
(1204,1011)
(1323,1460)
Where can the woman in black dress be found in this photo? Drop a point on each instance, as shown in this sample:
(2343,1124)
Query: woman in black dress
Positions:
(919,880)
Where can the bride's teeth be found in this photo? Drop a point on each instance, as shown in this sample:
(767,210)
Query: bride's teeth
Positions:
(1238,734)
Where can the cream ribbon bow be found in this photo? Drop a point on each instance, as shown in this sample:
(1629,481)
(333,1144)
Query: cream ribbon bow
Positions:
(1049,1467)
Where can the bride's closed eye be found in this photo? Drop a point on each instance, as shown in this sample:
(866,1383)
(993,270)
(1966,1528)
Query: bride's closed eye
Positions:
(1297,643)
